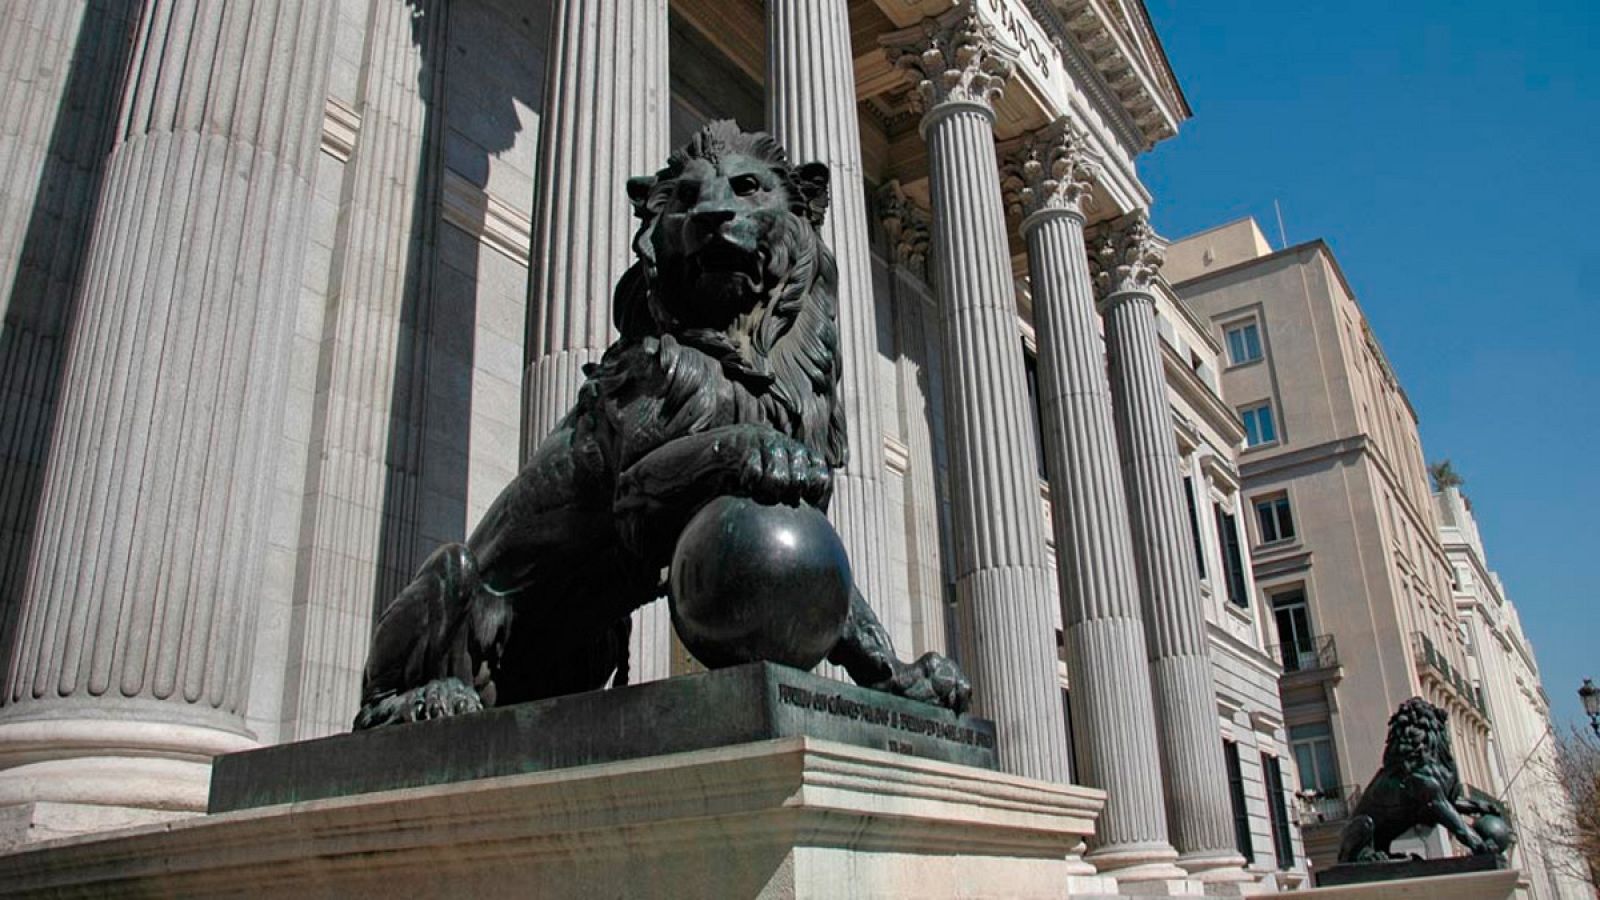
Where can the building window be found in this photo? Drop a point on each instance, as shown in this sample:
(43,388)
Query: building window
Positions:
(1030,366)
(1282,841)
(1232,557)
(1296,648)
(1241,813)
(1194,526)
(1259,428)
(1312,745)
(1277,522)
(1244,343)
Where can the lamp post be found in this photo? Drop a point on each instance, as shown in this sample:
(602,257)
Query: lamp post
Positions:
(1590,695)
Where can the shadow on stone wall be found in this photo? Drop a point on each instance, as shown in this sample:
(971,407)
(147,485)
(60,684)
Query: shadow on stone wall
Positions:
(473,117)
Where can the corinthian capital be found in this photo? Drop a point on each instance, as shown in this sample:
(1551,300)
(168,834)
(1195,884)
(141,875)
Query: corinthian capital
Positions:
(1048,169)
(1125,255)
(906,224)
(956,57)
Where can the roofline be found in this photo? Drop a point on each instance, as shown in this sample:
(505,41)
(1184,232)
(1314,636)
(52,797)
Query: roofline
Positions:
(1161,49)
(1315,245)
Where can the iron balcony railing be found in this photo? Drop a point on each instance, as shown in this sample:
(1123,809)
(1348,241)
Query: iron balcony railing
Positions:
(1328,805)
(1319,653)
(1432,657)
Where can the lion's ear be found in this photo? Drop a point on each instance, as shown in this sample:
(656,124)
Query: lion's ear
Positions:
(812,179)
(639,188)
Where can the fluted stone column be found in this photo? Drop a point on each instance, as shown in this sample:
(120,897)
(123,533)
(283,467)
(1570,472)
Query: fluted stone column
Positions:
(133,659)
(1125,257)
(1046,177)
(342,517)
(811,110)
(1001,574)
(61,70)
(907,229)
(605,120)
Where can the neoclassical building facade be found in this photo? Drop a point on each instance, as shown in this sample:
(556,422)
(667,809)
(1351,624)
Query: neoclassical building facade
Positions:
(297,283)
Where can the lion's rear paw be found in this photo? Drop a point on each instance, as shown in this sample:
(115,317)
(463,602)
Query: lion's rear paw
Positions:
(933,678)
(437,699)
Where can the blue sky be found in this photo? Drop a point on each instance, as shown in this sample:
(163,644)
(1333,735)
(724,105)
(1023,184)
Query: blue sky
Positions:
(1448,154)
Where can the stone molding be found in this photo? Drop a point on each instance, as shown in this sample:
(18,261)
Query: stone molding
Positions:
(341,125)
(956,58)
(1048,170)
(906,224)
(493,222)
(1125,257)
(896,455)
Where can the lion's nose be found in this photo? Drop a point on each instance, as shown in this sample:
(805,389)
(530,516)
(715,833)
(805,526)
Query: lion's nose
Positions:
(710,220)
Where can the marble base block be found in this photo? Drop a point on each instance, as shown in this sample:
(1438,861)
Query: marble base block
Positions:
(791,817)
(1493,884)
(738,705)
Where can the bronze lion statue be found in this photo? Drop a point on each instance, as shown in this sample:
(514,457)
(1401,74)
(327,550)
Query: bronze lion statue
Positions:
(1419,785)
(723,382)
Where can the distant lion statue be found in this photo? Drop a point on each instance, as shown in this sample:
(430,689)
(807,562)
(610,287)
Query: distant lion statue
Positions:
(724,381)
(1418,785)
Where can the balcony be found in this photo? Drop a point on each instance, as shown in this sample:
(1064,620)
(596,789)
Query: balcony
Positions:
(1434,665)
(1329,806)
(1321,654)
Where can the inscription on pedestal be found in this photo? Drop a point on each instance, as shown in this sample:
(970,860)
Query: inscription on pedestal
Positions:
(835,704)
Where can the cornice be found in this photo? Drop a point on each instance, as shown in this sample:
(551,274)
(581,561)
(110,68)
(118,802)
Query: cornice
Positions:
(1118,68)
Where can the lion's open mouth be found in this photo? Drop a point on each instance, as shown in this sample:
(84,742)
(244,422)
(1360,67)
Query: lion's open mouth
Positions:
(720,258)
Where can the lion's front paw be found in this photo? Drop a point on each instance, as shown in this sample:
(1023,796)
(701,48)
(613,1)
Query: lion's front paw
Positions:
(931,679)
(437,699)
(774,468)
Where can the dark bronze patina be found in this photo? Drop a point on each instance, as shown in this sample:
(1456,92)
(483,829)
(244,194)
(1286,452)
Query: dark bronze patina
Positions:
(1419,785)
(723,383)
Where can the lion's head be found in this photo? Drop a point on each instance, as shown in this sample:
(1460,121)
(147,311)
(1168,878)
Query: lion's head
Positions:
(1419,741)
(730,262)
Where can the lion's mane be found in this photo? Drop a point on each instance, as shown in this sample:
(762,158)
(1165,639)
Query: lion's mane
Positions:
(1418,742)
(777,363)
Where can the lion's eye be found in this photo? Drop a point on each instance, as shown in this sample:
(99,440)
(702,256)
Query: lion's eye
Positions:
(688,191)
(744,185)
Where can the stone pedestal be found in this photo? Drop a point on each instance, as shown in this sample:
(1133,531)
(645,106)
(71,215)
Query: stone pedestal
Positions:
(1432,879)
(794,817)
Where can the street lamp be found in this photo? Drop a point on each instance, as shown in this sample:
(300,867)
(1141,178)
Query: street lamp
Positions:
(1590,695)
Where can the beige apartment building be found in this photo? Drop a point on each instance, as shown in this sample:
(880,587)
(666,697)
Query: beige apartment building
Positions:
(1522,748)
(1342,531)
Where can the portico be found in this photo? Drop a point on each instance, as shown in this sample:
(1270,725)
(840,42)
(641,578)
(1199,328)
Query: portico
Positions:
(1008,500)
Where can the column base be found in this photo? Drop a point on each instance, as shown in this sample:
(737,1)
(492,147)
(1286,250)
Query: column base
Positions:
(1216,868)
(1135,863)
(70,776)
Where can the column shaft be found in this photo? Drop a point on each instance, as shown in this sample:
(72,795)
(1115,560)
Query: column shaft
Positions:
(61,71)
(811,110)
(140,601)
(605,119)
(1198,806)
(373,273)
(1115,726)
(1002,577)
